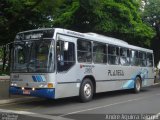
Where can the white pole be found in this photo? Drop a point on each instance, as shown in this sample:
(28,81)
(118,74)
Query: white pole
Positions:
(158,66)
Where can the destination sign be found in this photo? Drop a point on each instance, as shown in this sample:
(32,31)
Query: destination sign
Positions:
(34,35)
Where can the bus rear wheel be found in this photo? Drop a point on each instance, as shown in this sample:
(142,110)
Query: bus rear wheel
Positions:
(86,90)
(137,85)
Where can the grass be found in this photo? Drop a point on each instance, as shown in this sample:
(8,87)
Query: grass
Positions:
(4,73)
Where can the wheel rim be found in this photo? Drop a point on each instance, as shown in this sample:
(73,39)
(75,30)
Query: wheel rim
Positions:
(138,85)
(87,90)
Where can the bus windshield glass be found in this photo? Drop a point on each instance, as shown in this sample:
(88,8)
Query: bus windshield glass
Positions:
(33,56)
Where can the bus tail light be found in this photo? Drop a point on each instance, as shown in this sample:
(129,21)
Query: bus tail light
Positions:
(50,85)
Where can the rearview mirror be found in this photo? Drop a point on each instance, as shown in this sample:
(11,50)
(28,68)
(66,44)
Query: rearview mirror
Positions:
(65,46)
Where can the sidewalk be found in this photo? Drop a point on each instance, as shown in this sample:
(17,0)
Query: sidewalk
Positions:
(16,99)
(4,77)
(5,97)
(157,79)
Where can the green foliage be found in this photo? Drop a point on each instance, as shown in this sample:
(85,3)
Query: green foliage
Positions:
(151,12)
(65,14)
(1,54)
(20,15)
(117,18)
(151,15)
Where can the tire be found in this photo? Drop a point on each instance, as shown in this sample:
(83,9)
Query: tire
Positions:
(86,90)
(137,85)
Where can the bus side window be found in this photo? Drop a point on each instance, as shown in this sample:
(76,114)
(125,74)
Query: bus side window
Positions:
(113,55)
(99,53)
(65,56)
(134,58)
(142,59)
(149,60)
(84,51)
(124,56)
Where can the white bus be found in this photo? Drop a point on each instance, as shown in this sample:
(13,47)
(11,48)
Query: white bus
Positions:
(57,63)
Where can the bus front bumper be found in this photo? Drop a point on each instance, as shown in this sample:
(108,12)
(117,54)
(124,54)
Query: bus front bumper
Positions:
(40,92)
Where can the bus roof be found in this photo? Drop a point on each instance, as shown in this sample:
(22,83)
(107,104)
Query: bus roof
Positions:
(41,29)
(93,37)
(101,38)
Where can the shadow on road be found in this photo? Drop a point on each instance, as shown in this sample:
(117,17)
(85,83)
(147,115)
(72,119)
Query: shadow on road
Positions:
(75,100)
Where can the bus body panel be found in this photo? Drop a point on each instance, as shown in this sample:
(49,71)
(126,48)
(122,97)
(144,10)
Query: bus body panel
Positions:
(123,79)
(67,81)
(36,84)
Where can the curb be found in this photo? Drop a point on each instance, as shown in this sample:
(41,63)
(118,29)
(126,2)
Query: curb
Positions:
(18,100)
(156,83)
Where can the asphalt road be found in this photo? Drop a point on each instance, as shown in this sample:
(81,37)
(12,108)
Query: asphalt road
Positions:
(105,106)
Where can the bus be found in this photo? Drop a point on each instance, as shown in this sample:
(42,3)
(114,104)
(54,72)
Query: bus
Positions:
(56,63)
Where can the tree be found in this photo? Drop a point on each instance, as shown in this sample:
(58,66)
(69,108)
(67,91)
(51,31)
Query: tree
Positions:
(152,17)
(20,15)
(116,18)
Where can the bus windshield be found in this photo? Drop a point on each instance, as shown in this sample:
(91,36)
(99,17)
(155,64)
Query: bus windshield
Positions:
(33,56)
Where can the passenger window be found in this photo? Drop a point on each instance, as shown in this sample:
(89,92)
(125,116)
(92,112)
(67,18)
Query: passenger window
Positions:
(84,51)
(113,55)
(99,53)
(124,56)
(134,58)
(142,59)
(149,60)
(65,55)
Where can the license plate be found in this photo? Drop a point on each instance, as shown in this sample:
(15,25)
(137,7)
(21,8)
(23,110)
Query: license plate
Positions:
(26,92)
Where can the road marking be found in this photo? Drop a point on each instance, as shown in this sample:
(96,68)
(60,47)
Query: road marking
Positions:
(31,114)
(99,107)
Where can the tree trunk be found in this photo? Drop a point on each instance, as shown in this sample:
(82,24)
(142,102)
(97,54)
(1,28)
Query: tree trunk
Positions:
(155,44)
(157,28)
(9,60)
(4,57)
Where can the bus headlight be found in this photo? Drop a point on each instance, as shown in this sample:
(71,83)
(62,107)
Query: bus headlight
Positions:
(43,85)
(13,84)
(22,88)
(33,89)
(50,85)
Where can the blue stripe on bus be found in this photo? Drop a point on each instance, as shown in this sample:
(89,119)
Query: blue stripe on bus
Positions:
(43,78)
(38,78)
(129,84)
(34,78)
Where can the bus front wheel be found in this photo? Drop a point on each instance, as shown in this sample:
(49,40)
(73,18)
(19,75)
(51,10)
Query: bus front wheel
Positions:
(137,85)
(86,90)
